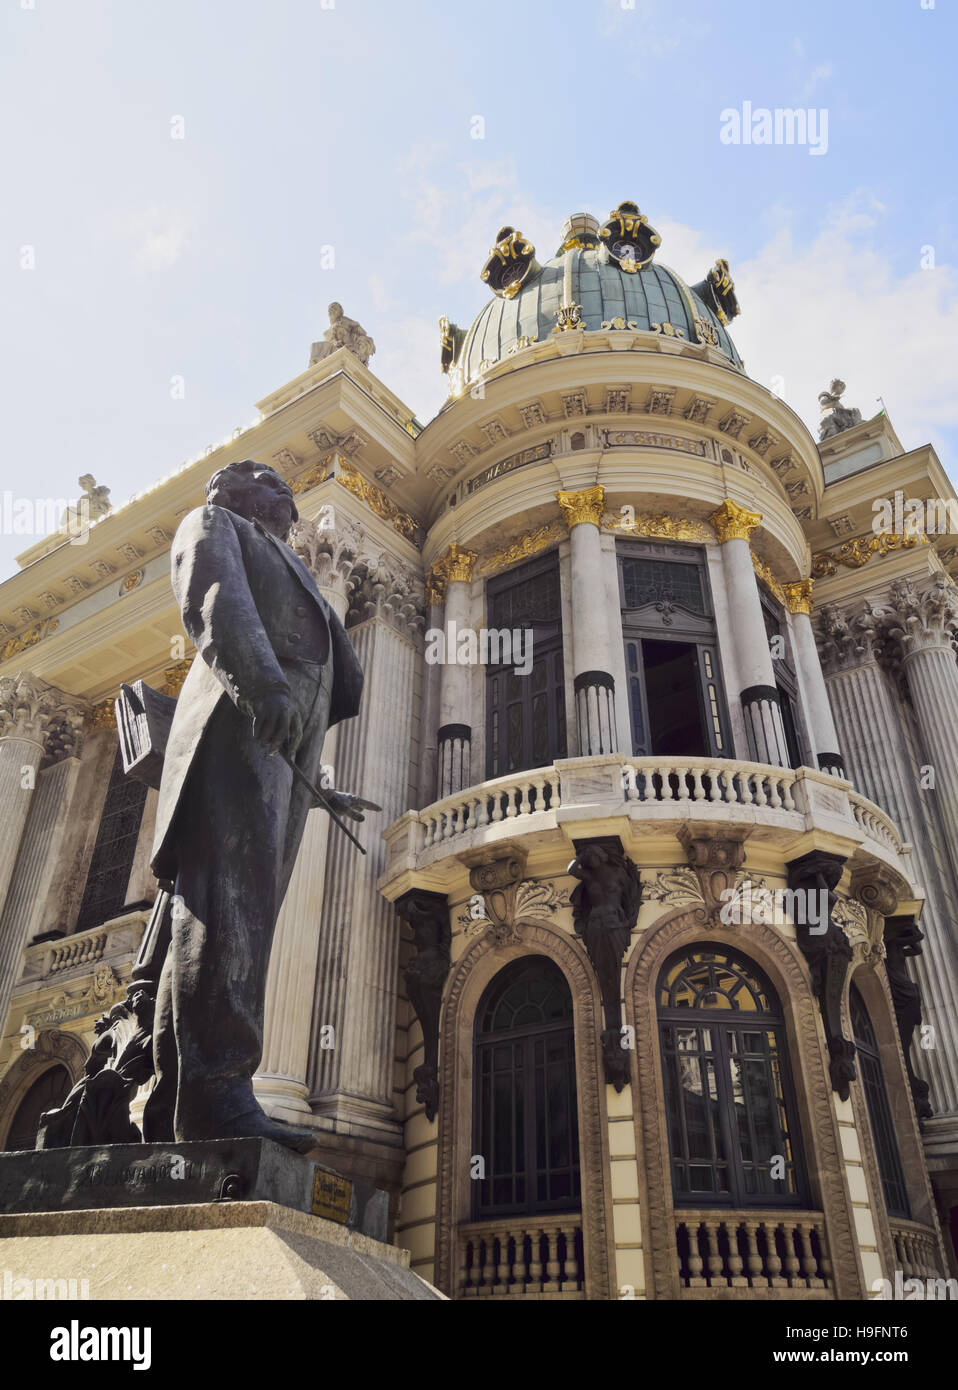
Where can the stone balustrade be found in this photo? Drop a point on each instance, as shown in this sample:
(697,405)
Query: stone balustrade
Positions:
(759,1251)
(525,1257)
(916,1250)
(564,798)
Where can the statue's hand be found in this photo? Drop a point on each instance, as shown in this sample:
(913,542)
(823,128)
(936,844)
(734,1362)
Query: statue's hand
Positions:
(344,803)
(277,722)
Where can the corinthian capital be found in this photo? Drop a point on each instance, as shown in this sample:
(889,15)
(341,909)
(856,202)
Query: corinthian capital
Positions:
(330,547)
(39,713)
(734,523)
(382,586)
(579,508)
(844,641)
(455,565)
(920,619)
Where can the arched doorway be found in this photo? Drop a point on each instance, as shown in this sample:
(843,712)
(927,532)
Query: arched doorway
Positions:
(48,1091)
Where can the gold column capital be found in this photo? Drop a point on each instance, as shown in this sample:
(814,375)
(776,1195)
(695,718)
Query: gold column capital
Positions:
(798,596)
(456,564)
(734,523)
(580,507)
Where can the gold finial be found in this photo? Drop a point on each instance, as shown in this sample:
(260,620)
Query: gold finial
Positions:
(580,507)
(734,523)
(798,596)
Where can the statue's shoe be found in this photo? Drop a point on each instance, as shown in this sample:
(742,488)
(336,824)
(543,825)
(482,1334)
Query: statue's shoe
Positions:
(255,1124)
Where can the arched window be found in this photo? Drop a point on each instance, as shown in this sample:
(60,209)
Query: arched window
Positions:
(733,1134)
(46,1093)
(879,1110)
(526,1123)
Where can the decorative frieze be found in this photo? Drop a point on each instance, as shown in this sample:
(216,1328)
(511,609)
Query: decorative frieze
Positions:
(856,553)
(524,546)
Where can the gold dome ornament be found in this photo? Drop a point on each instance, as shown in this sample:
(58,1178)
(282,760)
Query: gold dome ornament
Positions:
(627,239)
(512,261)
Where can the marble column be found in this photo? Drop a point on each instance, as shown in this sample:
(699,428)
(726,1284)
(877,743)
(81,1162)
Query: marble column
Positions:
(871,728)
(451,580)
(353,1042)
(761,705)
(821,723)
(593,682)
(38,724)
(281,1081)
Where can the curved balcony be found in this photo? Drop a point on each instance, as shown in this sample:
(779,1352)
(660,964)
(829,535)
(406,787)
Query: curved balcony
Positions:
(634,797)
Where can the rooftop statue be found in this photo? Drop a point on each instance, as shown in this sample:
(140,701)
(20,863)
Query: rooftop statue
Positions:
(98,497)
(342,333)
(835,416)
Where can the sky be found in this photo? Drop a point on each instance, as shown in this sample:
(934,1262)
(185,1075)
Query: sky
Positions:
(184,188)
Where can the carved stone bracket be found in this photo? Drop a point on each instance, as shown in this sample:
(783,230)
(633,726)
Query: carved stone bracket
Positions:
(828,952)
(427,914)
(715,861)
(605,907)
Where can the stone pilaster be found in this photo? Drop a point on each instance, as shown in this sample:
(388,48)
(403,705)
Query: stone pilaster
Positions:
(351,1081)
(821,723)
(39,724)
(451,580)
(592,661)
(761,705)
(870,721)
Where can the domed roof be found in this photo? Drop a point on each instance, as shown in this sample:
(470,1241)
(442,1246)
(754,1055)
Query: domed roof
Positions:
(610,278)
(641,298)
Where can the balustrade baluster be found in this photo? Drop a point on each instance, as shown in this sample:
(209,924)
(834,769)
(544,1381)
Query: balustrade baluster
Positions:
(773,1260)
(571,1259)
(551,1284)
(696,1262)
(755,1274)
(716,1263)
(535,1261)
(792,1265)
(735,1262)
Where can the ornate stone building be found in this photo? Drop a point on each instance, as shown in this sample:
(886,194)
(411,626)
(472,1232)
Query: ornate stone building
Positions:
(647,986)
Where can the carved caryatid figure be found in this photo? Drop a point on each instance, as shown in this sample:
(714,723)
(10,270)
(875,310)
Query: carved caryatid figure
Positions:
(605,906)
(342,333)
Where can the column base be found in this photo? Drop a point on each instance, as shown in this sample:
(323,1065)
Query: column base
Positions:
(595,712)
(761,706)
(455,748)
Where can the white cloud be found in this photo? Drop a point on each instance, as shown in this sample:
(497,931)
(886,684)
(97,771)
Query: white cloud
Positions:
(821,73)
(159,236)
(823,302)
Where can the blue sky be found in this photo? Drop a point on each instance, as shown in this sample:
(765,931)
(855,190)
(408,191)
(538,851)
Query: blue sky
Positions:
(349,124)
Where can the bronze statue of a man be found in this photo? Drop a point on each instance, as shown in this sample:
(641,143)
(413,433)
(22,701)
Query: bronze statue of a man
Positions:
(274,670)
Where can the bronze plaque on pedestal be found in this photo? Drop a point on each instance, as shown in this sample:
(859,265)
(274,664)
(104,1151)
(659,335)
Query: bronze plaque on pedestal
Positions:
(331,1196)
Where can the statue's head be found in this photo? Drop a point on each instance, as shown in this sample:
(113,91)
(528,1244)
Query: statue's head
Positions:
(254,491)
(335,312)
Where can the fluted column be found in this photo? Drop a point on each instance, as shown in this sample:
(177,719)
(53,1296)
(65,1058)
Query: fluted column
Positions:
(593,682)
(281,1084)
(451,579)
(37,723)
(351,1081)
(761,704)
(821,723)
(870,722)
(924,624)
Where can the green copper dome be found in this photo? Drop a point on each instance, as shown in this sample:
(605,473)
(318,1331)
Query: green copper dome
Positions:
(639,298)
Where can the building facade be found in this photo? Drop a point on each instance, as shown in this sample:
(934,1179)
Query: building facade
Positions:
(647,986)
